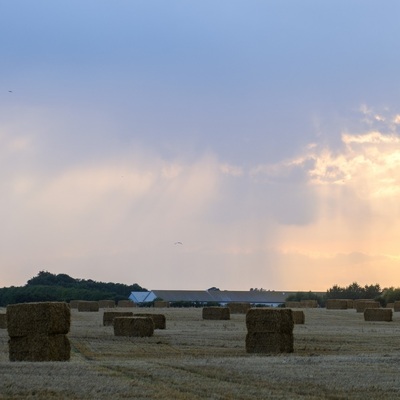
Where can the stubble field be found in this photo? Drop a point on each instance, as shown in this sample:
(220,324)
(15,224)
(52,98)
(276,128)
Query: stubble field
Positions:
(337,356)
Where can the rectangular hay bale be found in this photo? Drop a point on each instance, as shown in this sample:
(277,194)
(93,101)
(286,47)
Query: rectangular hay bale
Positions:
(126,303)
(73,304)
(336,304)
(108,316)
(362,305)
(270,320)
(350,303)
(308,304)
(378,314)
(158,319)
(88,306)
(216,313)
(34,318)
(106,304)
(38,347)
(298,317)
(292,304)
(133,326)
(396,306)
(161,304)
(269,342)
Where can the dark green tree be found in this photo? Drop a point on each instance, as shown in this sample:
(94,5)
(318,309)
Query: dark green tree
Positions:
(51,287)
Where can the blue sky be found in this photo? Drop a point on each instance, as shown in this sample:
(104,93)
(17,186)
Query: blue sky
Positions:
(263,135)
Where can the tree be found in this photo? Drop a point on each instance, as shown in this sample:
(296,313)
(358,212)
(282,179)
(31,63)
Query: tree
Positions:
(50,287)
(299,296)
(354,291)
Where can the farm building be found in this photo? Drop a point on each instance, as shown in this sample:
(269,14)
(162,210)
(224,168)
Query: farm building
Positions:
(258,297)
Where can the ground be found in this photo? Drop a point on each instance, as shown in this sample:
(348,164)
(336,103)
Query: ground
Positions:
(337,355)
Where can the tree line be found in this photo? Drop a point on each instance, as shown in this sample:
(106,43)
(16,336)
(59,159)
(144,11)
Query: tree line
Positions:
(353,291)
(61,287)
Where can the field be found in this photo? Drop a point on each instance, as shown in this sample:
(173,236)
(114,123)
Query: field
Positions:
(337,356)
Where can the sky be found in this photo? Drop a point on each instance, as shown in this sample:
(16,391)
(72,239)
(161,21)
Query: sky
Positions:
(262,135)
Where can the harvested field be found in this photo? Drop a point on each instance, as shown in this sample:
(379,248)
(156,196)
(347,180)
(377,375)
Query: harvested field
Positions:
(3,320)
(337,355)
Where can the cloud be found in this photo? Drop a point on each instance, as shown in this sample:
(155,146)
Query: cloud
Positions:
(326,215)
(340,204)
(396,119)
(369,165)
(232,170)
(16,145)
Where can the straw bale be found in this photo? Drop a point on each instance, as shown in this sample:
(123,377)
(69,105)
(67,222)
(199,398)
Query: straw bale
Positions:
(336,304)
(88,306)
(270,320)
(308,304)
(269,342)
(3,321)
(126,303)
(161,304)
(216,313)
(239,308)
(298,317)
(39,347)
(133,326)
(364,304)
(73,304)
(34,318)
(350,303)
(396,306)
(158,319)
(378,314)
(390,305)
(292,304)
(106,303)
(108,316)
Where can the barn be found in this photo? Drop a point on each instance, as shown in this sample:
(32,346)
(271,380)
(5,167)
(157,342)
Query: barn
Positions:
(269,298)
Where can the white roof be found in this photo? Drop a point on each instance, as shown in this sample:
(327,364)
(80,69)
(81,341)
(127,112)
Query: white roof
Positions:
(142,297)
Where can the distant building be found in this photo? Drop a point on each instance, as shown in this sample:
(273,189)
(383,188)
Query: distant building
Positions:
(265,297)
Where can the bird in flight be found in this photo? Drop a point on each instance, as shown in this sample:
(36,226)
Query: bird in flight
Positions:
(178,243)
